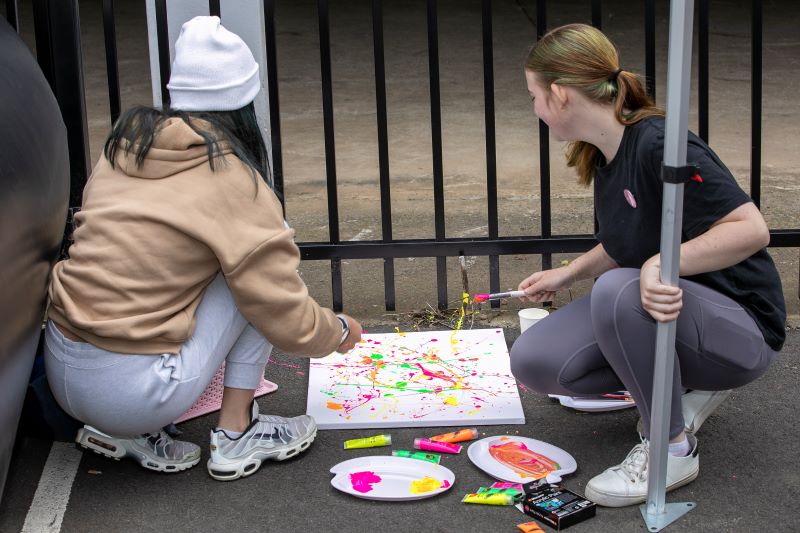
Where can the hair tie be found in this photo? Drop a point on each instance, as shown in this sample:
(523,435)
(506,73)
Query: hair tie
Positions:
(615,75)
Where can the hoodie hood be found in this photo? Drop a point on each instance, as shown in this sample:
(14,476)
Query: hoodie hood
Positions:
(176,148)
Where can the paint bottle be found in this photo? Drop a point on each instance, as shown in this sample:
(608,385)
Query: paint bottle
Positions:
(489,499)
(506,485)
(433,446)
(514,493)
(530,527)
(422,456)
(457,436)
(368,442)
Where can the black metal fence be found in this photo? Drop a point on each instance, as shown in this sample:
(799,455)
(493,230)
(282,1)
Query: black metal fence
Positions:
(58,48)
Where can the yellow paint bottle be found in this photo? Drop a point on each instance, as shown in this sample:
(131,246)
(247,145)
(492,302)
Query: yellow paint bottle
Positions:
(497,498)
(368,442)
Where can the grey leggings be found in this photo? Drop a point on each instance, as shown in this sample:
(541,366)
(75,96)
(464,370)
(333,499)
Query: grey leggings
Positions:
(131,394)
(605,342)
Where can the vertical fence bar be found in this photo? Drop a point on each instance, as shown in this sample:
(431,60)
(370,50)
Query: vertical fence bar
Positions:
(436,144)
(383,150)
(650,46)
(12,14)
(112,71)
(755,114)
(330,148)
(491,144)
(274,106)
(162,37)
(58,51)
(702,69)
(544,149)
(214,8)
(597,14)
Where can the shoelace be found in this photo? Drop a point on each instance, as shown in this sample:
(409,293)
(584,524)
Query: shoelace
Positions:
(279,430)
(635,464)
(160,442)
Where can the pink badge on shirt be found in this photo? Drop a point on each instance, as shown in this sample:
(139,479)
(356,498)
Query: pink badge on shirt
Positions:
(629,198)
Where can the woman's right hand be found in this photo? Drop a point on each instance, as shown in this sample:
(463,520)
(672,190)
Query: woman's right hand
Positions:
(542,286)
(353,337)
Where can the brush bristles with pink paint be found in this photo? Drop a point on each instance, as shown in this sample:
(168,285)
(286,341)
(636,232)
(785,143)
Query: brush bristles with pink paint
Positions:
(498,296)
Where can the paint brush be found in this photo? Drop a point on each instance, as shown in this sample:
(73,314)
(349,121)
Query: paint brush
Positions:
(498,295)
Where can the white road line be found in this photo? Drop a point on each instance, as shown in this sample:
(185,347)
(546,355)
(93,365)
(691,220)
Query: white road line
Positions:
(52,495)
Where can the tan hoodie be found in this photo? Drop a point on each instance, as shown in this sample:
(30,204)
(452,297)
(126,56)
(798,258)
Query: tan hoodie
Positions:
(149,240)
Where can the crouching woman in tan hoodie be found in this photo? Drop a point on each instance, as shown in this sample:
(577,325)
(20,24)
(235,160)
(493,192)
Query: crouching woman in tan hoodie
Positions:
(182,261)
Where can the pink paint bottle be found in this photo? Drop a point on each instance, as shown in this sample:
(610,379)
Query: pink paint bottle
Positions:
(433,446)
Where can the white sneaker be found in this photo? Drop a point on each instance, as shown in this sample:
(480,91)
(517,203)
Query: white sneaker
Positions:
(626,483)
(155,451)
(696,406)
(267,437)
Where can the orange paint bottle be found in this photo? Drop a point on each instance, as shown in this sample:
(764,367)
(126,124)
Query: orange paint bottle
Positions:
(457,436)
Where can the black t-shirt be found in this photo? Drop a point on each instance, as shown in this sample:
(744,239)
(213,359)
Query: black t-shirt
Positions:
(628,193)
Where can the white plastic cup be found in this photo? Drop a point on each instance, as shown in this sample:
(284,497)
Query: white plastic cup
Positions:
(530,316)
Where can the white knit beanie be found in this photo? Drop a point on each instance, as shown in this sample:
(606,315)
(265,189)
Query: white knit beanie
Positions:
(213,70)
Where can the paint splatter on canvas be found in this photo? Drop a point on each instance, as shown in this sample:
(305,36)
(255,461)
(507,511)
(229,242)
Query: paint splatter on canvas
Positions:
(431,378)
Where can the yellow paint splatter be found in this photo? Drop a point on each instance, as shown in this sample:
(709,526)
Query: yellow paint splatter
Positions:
(426,484)
(335,406)
(464,301)
(451,400)
(474,412)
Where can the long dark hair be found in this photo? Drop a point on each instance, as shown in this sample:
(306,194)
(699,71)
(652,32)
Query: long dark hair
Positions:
(137,127)
(581,56)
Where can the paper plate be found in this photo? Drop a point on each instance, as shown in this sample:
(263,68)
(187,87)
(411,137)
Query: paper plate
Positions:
(523,459)
(389,478)
(592,404)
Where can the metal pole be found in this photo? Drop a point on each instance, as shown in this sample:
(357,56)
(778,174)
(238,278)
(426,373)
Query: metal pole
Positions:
(657,515)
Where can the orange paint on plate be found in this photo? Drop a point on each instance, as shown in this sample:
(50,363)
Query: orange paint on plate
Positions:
(523,461)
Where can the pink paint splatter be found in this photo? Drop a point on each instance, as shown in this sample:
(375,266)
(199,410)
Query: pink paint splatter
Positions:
(445,484)
(363,481)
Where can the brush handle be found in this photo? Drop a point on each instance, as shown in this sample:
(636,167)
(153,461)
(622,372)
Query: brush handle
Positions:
(509,294)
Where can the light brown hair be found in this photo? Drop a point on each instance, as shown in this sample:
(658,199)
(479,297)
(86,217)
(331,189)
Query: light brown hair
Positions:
(581,56)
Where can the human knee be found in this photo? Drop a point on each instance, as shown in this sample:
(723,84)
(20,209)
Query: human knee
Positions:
(615,292)
(531,366)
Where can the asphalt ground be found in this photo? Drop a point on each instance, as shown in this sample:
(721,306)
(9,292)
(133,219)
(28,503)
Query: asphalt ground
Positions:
(749,478)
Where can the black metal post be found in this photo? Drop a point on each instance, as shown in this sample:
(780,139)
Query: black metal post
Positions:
(12,14)
(597,14)
(383,150)
(650,46)
(544,149)
(491,144)
(702,69)
(214,8)
(755,113)
(330,149)
(164,60)
(274,107)
(112,71)
(58,50)
(436,145)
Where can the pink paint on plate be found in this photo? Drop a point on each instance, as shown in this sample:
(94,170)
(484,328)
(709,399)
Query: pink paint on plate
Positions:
(629,198)
(363,481)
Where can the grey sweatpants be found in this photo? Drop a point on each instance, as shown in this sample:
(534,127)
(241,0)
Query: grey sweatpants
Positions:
(605,342)
(130,394)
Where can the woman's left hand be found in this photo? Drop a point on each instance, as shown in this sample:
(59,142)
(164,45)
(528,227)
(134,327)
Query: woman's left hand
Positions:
(663,302)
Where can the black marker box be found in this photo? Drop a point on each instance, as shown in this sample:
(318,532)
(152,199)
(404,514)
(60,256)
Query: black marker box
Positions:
(556,506)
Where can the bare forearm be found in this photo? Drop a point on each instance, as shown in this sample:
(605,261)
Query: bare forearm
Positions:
(591,264)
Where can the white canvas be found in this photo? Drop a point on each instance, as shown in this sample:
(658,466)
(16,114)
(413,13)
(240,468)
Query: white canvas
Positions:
(431,378)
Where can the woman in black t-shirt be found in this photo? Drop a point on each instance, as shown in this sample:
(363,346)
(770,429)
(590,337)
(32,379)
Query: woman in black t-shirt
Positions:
(728,305)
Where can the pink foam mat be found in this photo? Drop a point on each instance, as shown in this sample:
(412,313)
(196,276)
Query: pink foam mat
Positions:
(211,399)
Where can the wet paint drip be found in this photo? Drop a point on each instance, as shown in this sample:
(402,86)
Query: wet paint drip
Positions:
(363,481)
(464,301)
(427,484)
(629,198)
(523,461)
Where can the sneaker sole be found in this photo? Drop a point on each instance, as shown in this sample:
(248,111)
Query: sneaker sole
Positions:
(88,441)
(614,500)
(251,463)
